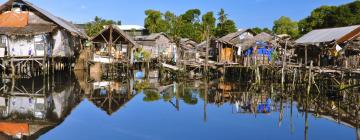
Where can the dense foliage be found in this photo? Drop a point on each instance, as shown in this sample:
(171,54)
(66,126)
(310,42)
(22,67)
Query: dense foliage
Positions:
(190,24)
(331,16)
(259,30)
(284,25)
(193,25)
(94,27)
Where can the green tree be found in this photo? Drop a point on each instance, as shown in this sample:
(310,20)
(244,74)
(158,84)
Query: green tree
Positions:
(173,24)
(284,25)
(190,26)
(226,28)
(154,22)
(258,30)
(222,16)
(331,16)
(191,16)
(94,27)
(267,30)
(225,25)
(208,25)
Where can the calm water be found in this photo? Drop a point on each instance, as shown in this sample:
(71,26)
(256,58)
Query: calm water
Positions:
(71,107)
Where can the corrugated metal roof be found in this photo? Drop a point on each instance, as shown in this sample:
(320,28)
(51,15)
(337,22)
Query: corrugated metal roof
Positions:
(325,35)
(131,27)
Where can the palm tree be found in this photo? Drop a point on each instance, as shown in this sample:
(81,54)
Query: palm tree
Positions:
(222,17)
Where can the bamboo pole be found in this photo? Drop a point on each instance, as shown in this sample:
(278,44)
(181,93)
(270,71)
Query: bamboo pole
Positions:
(205,99)
(207,51)
(283,66)
(310,78)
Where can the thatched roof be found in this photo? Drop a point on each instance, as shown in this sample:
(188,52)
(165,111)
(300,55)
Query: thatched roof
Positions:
(28,30)
(186,41)
(151,37)
(45,15)
(265,37)
(155,36)
(116,33)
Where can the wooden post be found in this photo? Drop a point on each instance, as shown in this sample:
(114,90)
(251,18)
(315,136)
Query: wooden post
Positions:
(3,68)
(205,98)
(44,61)
(295,71)
(310,78)
(283,66)
(207,51)
(110,51)
(319,60)
(12,67)
(306,55)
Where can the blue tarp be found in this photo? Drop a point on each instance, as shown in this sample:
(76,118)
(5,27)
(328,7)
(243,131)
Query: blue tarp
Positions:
(262,50)
(139,75)
(265,108)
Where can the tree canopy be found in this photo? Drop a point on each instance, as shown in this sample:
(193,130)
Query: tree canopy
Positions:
(225,25)
(94,27)
(259,30)
(331,16)
(284,25)
(190,24)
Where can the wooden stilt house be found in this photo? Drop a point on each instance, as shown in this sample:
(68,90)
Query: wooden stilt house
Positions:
(112,45)
(31,34)
(330,47)
(228,46)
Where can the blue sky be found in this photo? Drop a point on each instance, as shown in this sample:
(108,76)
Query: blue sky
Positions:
(246,13)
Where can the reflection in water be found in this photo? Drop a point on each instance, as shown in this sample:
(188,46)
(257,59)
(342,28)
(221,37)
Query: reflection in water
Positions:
(30,108)
(111,96)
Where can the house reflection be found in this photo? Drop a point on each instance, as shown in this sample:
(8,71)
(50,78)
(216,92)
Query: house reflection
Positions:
(342,108)
(31,107)
(110,96)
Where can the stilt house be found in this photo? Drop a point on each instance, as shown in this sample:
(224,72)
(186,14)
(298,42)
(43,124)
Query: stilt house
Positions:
(29,33)
(112,45)
(330,47)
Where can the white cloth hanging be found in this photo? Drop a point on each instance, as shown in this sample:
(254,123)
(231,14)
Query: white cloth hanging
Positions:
(239,51)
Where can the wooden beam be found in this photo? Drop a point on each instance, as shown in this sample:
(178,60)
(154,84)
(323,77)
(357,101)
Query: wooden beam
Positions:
(104,38)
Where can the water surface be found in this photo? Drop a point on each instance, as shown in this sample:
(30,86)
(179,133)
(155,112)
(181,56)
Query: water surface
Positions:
(72,107)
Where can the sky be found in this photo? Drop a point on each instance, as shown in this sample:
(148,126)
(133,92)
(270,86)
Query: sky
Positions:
(245,13)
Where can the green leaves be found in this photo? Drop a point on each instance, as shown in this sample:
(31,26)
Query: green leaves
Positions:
(284,25)
(331,16)
(189,25)
(224,26)
(154,22)
(94,27)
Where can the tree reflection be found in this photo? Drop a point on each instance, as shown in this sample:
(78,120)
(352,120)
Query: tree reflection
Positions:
(151,96)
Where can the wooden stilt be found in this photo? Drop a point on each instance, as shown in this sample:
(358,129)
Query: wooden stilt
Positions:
(310,78)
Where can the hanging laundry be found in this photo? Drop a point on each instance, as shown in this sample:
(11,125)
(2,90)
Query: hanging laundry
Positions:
(239,51)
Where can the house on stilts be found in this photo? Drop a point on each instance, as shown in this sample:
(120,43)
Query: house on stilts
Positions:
(245,48)
(330,47)
(159,45)
(33,40)
(113,47)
